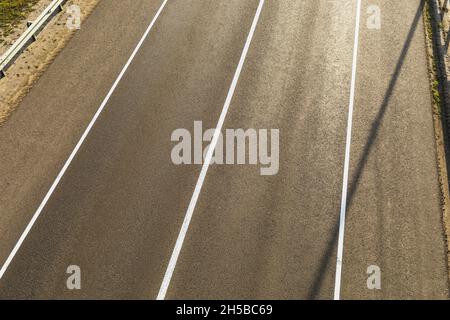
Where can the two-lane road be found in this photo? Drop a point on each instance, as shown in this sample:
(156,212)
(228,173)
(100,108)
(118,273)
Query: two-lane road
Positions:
(118,209)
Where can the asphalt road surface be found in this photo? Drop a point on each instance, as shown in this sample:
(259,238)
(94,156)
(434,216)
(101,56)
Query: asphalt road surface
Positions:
(117,210)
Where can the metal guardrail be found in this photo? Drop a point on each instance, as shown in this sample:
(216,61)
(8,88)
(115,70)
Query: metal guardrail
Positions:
(30,34)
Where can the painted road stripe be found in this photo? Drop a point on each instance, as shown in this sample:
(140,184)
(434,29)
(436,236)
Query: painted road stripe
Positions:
(340,249)
(187,219)
(80,142)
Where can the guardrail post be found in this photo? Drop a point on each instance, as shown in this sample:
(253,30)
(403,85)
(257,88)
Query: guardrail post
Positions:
(442,6)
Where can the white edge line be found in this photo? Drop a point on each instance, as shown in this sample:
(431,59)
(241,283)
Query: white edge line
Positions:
(187,219)
(77,147)
(340,249)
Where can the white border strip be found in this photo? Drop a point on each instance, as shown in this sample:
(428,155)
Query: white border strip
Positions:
(340,250)
(77,147)
(187,219)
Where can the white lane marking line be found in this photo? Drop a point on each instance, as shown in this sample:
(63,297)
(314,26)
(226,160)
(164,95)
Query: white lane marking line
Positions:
(340,250)
(77,147)
(187,219)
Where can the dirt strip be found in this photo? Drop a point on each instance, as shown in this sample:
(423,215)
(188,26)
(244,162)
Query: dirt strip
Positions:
(438,72)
